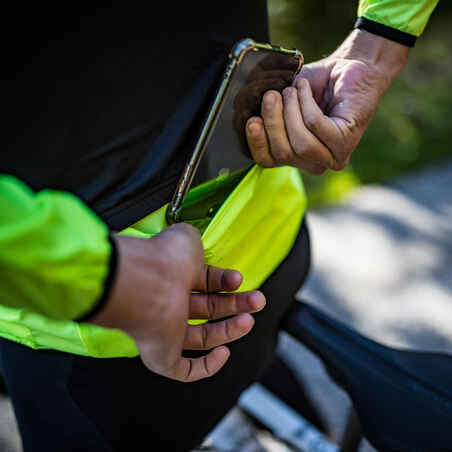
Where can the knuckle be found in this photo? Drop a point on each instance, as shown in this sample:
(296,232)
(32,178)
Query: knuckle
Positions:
(282,154)
(310,169)
(206,367)
(211,306)
(317,170)
(339,166)
(311,121)
(204,336)
(266,164)
(262,159)
(189,371)
(300,82)
(227,329)
(260,146)
(301,147)
(186,230)
(184,242)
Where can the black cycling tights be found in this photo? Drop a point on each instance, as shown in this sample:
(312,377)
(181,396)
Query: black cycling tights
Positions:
(66,402)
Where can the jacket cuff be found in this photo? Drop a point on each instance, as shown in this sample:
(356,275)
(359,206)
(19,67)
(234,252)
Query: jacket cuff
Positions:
(108,283)
(384,31)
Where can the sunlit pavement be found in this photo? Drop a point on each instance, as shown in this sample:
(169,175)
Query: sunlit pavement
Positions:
(382,263)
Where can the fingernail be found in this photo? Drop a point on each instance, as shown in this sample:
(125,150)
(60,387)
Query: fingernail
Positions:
(222,352)
(287,92)
(245,320)
(269,100)
(258,300)
(254,128)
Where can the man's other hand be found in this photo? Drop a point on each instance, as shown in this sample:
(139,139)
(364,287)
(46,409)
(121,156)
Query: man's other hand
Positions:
(152,299)
(316,124)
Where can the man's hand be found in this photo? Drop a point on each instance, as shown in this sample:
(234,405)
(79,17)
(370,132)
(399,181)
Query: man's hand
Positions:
(317,124)
(152,300)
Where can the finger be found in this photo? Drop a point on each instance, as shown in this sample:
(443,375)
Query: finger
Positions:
(248,101)
(181,231)
(193,369)
(216,306)
(215,279)
(258,143)
(311,168)
(210,335)
(318,77)
(272,114)
(320,125)
(261,153)
(304,143)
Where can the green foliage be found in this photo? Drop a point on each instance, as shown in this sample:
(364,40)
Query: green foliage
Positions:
(316,27)
(412,125)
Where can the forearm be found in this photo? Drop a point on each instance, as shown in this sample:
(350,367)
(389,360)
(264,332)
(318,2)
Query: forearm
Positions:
(55,254)
(385,31)
(385,56)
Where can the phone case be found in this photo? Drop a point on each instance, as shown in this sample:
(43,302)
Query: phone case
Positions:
(244,81)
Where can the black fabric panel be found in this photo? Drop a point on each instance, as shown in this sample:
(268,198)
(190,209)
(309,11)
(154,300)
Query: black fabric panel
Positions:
(403,398)
(40,393)
(393,34)
(89,91)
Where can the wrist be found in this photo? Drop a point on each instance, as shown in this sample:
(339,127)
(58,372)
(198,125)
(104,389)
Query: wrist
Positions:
(108,283)
(114,311)
(385,56)
(132,306)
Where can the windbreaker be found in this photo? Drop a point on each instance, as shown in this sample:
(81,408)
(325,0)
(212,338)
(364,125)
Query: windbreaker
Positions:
(406,16)
(55,252)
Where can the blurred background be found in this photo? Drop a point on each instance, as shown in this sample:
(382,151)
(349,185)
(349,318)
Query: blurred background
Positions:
(412,125)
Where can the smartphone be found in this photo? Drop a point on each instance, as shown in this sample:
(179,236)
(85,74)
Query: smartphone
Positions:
(221,148)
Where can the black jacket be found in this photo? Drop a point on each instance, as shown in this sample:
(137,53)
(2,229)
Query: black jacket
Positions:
(105,102)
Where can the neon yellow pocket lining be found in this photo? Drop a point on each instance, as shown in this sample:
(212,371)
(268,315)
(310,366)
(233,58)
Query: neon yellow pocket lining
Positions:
(252,232)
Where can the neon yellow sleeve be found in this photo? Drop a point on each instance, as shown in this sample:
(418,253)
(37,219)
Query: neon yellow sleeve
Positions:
(409,16)
(54,251)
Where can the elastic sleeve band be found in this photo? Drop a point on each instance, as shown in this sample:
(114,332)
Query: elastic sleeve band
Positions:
(113,264)
(384,31)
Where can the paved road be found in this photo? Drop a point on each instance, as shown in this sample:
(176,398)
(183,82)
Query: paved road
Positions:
(382,263)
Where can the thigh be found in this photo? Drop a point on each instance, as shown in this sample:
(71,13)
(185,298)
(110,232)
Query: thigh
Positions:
(48,418)
(170,415)
(126,406)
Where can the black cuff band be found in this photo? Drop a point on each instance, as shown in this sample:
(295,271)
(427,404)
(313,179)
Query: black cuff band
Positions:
(386,32)
(107,284)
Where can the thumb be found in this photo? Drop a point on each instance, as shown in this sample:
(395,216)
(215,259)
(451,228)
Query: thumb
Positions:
(324,128)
